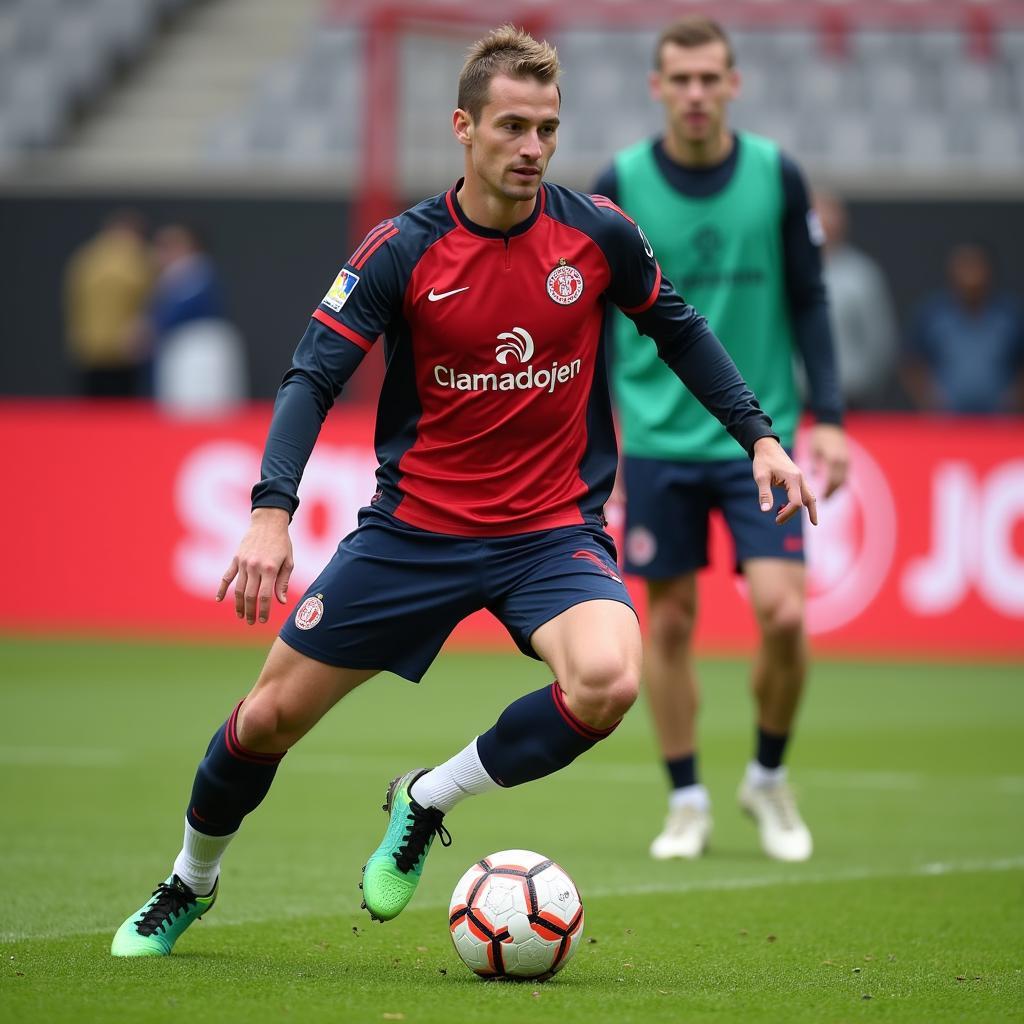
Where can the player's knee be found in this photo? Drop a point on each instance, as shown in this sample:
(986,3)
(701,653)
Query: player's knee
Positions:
(264,726)
(671,623)
(783,620)
(606,690)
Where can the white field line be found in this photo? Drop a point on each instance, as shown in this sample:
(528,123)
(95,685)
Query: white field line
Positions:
(666,888)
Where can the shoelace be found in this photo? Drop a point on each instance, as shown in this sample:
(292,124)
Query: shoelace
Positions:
(681,818)
(425,823)
(781,798)
(171,899)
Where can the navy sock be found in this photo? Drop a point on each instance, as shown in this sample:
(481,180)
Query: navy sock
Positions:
(535,736)
(683,771)
(770,748)
(230,782)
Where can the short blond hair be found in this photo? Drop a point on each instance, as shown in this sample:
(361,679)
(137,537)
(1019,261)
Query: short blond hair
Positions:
(508,51)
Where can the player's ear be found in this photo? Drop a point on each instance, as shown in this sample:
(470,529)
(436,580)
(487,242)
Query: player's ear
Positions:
(462,126)
(654,85)
(735,83)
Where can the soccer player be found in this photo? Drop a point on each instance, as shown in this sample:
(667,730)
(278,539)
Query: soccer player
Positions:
(496,454)
(727,214)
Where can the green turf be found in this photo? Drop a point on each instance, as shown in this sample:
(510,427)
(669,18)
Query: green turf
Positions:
(911,776)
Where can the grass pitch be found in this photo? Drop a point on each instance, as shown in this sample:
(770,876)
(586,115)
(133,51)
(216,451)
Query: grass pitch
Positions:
(912,909)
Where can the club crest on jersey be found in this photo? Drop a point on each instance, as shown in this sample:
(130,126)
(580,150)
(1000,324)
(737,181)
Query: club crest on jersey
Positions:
(344,285)
(565,283)
(310,612)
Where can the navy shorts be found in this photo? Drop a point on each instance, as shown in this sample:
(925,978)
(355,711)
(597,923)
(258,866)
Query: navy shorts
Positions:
(668,505)
(392,593)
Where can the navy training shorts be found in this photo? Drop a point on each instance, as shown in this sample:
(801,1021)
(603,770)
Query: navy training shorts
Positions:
(392,593)
(668,505)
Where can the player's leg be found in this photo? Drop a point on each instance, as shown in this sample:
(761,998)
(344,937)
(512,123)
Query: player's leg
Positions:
(777,589)
(777,594)
(571,609)
(374,589)
(291,695)
(771,558)
(559,594)
(422,585)
(594,650)
(668,504)
(672,689)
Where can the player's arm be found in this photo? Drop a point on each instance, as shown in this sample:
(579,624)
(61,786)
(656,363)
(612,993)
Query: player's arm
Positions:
(808,310)
(328,354)
(692,351)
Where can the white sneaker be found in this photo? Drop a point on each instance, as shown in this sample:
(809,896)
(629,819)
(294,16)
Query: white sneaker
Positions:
(772,805)
(685,834)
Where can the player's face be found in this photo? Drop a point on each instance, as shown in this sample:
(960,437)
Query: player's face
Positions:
(510,146)
(695,84)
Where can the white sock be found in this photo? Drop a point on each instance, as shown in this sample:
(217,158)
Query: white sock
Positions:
(460,776)
(759,776)
(198,864)
(695,796)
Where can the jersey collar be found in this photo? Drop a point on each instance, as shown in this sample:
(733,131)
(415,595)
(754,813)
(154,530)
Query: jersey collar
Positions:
(477,229)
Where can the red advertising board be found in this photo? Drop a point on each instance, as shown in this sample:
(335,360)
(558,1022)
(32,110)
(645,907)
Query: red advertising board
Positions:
(121,521)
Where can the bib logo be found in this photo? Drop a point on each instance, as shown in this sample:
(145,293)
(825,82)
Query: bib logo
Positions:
(708,243)
(565,283)
(310,612)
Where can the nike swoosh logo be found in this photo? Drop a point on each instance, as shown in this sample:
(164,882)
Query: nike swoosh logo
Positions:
(437,296)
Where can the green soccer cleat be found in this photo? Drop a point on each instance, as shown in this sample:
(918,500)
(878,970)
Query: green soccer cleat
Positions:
(393,871)
(154,928)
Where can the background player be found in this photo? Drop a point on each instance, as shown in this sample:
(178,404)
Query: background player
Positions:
(496,455)
(728,218)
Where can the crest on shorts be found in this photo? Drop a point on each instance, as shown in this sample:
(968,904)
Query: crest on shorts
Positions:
(641,546)
(310,612)
(565,283)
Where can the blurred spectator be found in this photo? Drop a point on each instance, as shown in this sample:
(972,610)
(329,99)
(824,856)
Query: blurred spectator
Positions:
(866,337)
(966,345)
(106,286)
(199,364)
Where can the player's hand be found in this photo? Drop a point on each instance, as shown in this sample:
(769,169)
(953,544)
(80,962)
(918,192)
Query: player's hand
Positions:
(262,566)
(774,468)
(830,458)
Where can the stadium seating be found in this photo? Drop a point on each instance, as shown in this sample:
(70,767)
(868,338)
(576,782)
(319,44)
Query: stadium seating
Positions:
(888,98)
(58,55)
(902,100)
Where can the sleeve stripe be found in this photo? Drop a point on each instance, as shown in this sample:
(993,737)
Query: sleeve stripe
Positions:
(371,236)
(359,260)
(340,328)
(605,203)
(646,305)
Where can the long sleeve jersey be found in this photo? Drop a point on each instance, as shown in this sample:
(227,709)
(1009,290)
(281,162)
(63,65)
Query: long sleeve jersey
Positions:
(494,416)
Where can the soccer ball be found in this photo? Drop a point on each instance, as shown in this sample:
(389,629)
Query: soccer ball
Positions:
(515,914)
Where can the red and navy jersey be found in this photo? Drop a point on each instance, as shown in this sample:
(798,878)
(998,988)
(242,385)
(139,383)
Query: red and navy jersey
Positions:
(494,416)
